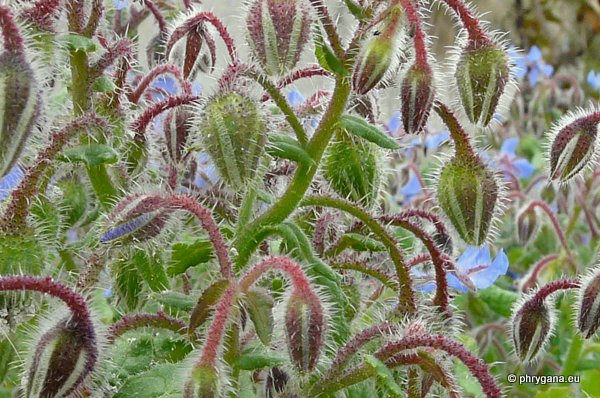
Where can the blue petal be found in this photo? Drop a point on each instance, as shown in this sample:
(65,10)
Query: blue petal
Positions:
(197,88)
(394,123)
(295,98)
(488,276)
(472,257)
(435,140)
(509,146)
(120,4)
(455,283)
(535,55)
(166,83)
(533,76)
(10,181)
(412,188)
(547,70)
(524,168)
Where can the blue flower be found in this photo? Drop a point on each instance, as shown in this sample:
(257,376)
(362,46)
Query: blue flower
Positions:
(207,174)
(475,269)
(435,140)
(394,124)
(295,98)
(10,182)
(520,167)
(120,4)
(593,79)
(532,65)
(412,188)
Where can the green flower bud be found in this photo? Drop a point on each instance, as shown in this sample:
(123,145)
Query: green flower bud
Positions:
(204,383)
(234,133)
(305,327)
(278,31)
(528,224)
(352,169)
(467,193)
(482,74)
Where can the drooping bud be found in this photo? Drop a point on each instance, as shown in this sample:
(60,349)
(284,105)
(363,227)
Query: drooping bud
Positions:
(588,317)
(528,224)
(276,382)
(63,358)
(197,53)
(377,55)
(177,131)
(352,169)
(468,193)
(531,325)
(278,31)
(482,74)
(305,327)
(573,145)
(234,135)
(416,93)
(137,218)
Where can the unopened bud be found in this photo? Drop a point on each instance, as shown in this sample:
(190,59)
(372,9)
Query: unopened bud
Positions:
(531,328)
(528,224)
(278,31)
(276,382)
(588,317)
(177,131)
(482,74)
(305,327)
(196,53)
(417,93)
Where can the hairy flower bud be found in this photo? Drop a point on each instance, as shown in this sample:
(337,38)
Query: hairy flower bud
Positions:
(377,55)
(137,218)
(588,317)
(305,327)
(19,110)
(197,53)
(204,383)
(64,356)
(532,325)
(482,74)
(528,224)
(352,169)
(234,134)
(467,193)
(417,94)
(278,31)
(276,382)
(177,131)
(573,146)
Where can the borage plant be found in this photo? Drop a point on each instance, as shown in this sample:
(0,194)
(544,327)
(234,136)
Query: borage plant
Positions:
(235,244)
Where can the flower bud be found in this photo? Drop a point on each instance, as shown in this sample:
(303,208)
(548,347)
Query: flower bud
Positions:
(467,193)
(417,94)
(305,327)
(204,383)
(278,31)
(588,317)
(64,356)
(276,382)
(531,328)
(177,129)
(573,146)
(20,107)
(190,55)
(234,134)
(528,224)
(482,74)
(377,55)
(137,218)
(352,169)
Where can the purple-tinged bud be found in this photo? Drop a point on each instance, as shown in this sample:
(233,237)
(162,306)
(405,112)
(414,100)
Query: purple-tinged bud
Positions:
(197,53)
(482,74)
(278,31)
(573,145)
(305,327)
(417,94)
(276,383)
(377,55)
(468,193)
(234,133)
(532,326)
(528,224)
(137,218)
(177,131)
(588,317)
(64,356)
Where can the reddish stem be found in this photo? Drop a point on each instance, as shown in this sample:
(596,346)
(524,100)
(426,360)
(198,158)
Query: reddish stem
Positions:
(412,14)
(555,223)
(550,288)
(471,24)
(120,49)
(158,320)
(299,280)
(13,41)
(162,24)
(462,143)
(155,72)
(532,280)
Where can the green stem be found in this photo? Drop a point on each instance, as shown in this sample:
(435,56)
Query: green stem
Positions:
(248,240)
(570,365)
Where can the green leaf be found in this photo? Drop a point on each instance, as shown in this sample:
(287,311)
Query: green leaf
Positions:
(91,155)
(361,128)
(555,392)
(356,10)
(207,300)
(151,270)
(260,308)
(104,85)
(253,361)
(285,147)
(499,300)
(128,284)
(327,59)
(186,255)
(162,381)
(175,301)
(79,43)
(385,377)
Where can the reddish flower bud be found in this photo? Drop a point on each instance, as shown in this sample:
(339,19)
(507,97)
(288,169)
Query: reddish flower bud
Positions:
(196,53)
(528,224)
(417,94)
(305,327)
(276,382)
(137,218)
(588,317)
(482,74)
(573,145)
(177,131)
(278,31)
(377,55)
(532,325)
